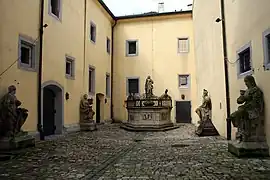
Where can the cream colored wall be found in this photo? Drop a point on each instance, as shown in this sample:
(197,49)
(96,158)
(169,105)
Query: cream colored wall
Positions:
(209,59)
(246,23)
(157,57)
(24,20)
(96,53)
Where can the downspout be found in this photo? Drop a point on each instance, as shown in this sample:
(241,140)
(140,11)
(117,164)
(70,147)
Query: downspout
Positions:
(112,55)
(227,88)
(39,125)
(84,43)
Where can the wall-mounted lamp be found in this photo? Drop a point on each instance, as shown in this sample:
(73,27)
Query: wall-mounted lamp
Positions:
(218,20)
(183,96)
(67,96)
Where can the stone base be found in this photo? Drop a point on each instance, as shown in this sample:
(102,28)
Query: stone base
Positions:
(88,126)
(249,149)
(207,129)
(149,128)
(19,142)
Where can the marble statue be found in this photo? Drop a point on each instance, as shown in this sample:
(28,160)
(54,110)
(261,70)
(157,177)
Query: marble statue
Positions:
(206,127)
(12,117)
(87,113)
(165,95)
(149,87)
(249,120)
(250,115)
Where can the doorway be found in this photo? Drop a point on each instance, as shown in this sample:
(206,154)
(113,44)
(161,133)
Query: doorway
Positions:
(52,109)
(100,103)
(183,112)
(97,109)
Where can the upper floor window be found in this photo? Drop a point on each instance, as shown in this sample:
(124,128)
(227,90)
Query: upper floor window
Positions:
(183,81)
(108,88)
(27,54)
(183,45)
(91,80)
(108,45)
(131,47)
(266,47)
(244,61)
(133,85)
(55,8)
(70,67)
(93,32)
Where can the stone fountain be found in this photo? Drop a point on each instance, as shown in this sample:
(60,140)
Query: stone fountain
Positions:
(149,112)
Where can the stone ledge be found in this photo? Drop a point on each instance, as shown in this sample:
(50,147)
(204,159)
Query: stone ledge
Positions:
(20,142)
(149,128)
(249,149)
(88,126)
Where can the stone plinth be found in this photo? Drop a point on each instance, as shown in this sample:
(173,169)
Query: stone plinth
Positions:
(248,149)
(88,126)
(18,142)
(207,128)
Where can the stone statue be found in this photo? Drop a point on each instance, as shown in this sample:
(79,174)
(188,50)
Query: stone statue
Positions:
(206,127)
(149,87)
(165,99)
(204,111)
(87,113)
(12,117)
(165,95)
(249,118)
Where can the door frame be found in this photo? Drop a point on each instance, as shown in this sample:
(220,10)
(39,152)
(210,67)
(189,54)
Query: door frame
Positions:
(190,109)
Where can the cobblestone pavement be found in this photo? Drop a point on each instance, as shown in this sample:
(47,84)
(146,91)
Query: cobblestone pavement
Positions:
(112,153)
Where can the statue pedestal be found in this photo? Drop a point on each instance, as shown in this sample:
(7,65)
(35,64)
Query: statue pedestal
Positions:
(88,126)
(19,142)
(249,149)
(207,128)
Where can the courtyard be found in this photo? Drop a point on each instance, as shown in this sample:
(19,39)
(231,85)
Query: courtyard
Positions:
(113,153)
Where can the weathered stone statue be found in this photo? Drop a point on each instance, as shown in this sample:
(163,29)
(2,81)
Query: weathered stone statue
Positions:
(165,95)
(206,127)
(149,87)
(12,119)
(11,116)
(87,114)
(249,120)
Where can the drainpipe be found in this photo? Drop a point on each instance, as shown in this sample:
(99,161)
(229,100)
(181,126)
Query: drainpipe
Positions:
(112,55)
(227,88)
(39,125)
(84,43)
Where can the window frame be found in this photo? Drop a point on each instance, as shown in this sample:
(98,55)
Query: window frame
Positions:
(60,10)
(71,60)
(92,83)
(127,47)
(29,43)
(266,49)
(127,84)
(108,45)
(241,50)
(188,81)
(92,24)
(178,45)
(108,85)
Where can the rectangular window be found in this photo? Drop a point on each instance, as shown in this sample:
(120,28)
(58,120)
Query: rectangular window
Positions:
(91,79)
(183,81)
(26,54)
(244,61)
(133,85)
(93,32)
(108,82)
(70,67)
(108,45)
(266,48)
(55,8)
(183,45)
(131,47)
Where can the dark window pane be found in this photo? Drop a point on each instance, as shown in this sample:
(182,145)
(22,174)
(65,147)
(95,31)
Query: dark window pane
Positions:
(90,80)
(55,7)
(132,48)
(245,64)
(68,68)
(133,85)
(25,55)
(93,33)
(268,47)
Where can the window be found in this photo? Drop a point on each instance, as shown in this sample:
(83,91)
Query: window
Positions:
(183,81)
(183,45)
(70,67)
(55,8)
(131,47)
(108,91)
(26,53)
(266,47)
(93,32)
(133,85)
(108,45)
(91,79)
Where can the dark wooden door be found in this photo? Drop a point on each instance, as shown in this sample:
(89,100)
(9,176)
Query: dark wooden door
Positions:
(98,110)
(183,111)
(48,112)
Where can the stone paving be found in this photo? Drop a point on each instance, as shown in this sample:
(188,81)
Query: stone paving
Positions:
(112,153)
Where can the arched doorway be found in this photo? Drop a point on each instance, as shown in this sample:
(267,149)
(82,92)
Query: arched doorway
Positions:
(52,108)
(99,107)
